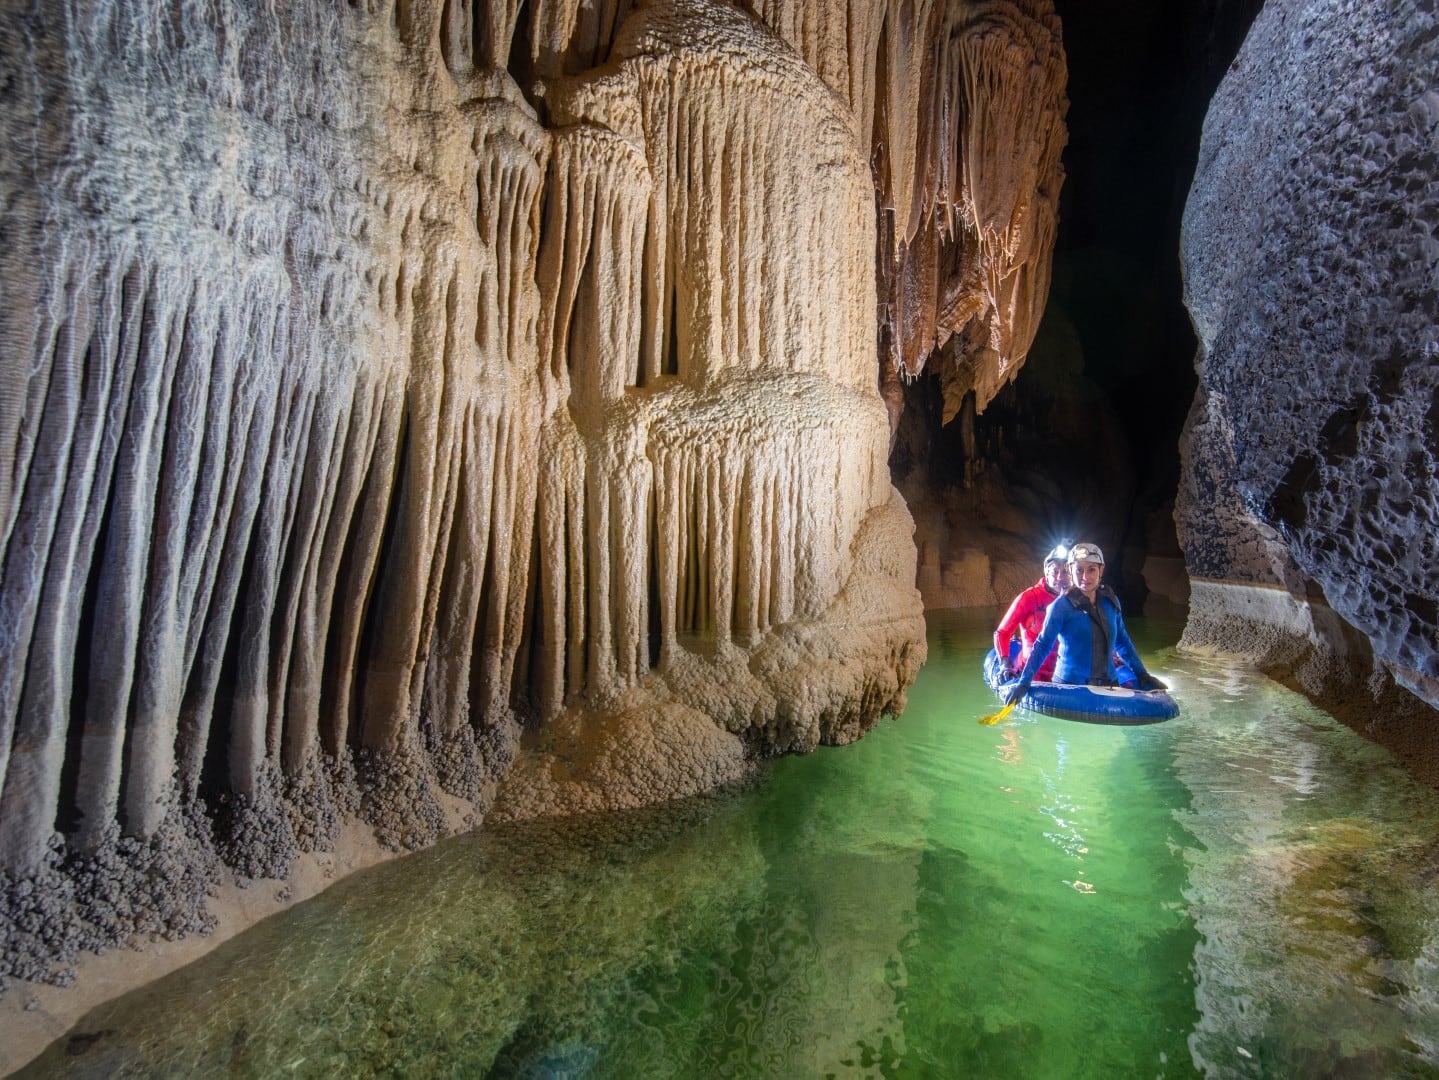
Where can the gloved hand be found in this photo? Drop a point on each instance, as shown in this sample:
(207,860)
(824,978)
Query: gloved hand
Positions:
(1149,682)
(1014,693)
(1009,671)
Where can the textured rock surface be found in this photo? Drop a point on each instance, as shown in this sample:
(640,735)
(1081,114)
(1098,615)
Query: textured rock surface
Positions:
(962,104)
(389,384)
(969,198)
(1310,266)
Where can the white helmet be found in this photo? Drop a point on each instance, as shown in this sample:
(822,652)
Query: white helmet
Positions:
(1059,553)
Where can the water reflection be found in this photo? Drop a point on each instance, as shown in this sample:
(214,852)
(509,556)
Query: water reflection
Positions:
(485,952)
(1311,882)
(1245,891)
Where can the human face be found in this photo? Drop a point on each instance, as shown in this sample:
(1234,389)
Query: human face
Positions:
(1087,575)
(1056,576)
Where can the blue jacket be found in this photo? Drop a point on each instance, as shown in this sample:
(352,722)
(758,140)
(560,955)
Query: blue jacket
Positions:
(1084,655)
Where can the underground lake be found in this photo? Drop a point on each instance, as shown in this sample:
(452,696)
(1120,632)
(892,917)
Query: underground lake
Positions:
(1246,890)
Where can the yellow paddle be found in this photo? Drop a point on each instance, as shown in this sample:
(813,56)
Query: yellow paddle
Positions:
(995,718)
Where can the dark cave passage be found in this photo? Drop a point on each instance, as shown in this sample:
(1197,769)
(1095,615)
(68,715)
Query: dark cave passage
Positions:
(1085,440)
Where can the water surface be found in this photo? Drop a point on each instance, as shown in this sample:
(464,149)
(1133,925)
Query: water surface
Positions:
(1247,890)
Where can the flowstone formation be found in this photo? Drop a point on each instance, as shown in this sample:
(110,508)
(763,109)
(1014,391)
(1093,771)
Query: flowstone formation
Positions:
(969,198)
(419,411)
(1308,510)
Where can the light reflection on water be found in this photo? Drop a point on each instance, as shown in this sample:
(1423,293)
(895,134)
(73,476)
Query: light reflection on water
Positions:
(1247,890)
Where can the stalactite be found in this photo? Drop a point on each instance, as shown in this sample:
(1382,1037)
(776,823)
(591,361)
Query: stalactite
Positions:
(728,212)
(254,417)
(251,717)
(966,128)
(974,223)
(840,41)
(329,494)
(516,492)
(592,266)
(390,404)
(178,544)
(571,36)
(383,420)
(40,608)
(101,746)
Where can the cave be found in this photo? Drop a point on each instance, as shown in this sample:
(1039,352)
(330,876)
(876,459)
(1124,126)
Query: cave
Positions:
(1085,440)
(420,416)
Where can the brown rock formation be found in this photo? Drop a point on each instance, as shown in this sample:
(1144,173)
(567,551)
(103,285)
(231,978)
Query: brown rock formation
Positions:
(969,262)
(383,381)
(1311,451)
(963,107)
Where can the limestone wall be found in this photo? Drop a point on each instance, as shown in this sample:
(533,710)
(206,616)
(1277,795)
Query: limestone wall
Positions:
(412,404)
(1312,449)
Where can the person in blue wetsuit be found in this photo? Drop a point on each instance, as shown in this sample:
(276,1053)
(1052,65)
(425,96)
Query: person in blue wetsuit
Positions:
(1089,627)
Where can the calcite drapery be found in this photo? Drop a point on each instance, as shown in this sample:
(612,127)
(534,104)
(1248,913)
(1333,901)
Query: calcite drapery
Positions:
(357,407)
(962,104)
(361,401)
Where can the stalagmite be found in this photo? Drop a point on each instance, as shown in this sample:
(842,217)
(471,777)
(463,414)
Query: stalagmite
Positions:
(385,380)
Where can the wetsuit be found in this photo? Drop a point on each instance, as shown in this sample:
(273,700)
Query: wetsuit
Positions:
(1089,635)
(1026,615)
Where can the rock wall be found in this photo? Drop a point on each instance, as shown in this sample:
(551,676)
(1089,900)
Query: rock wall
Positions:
(412,410)
(1308,511)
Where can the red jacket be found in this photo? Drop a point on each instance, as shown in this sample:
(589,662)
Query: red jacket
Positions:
(1026,615)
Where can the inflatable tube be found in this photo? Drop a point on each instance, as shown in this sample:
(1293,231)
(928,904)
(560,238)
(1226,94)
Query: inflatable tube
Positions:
(1089,704)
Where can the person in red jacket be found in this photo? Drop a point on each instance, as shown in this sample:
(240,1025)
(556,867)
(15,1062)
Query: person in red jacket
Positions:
(1025,616)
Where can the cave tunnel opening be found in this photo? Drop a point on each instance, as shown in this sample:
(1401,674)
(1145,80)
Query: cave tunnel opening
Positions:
(1085,440)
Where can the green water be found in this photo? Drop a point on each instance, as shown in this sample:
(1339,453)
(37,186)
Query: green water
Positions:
(1247,890)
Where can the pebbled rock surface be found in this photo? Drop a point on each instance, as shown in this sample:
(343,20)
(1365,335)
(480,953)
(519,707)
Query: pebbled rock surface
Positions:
(1310,256)
(1310,262)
